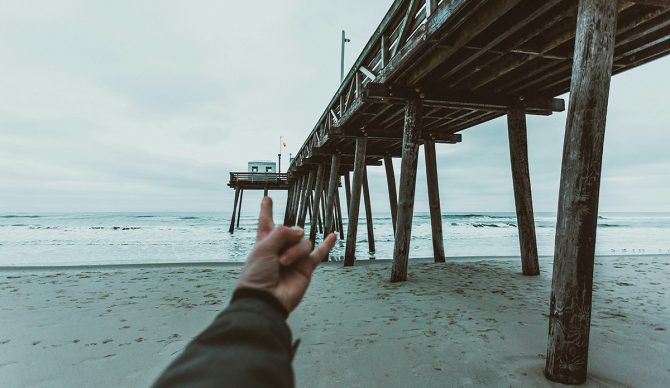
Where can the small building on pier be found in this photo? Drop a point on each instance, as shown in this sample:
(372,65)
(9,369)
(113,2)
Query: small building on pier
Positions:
(264,166)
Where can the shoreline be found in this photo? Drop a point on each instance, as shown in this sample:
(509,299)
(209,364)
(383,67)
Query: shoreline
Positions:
(454,259)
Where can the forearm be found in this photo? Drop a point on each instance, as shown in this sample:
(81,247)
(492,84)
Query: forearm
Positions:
(249,344)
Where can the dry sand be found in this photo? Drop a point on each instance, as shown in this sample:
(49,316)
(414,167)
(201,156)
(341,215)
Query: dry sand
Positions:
(471,322)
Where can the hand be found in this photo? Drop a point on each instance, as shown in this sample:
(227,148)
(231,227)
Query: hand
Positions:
(282,262)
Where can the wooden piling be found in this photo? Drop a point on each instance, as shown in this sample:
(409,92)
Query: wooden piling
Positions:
(308,189)
(572,283)
(295,201)
(355,201)
(434,200)
(336,222)
(289,201)
(347,189)
(292,203)
(410,154)
(320,219)
(332,189)
(231,230)
(368,211)
(324,195)
(239,209)
(393,195)
(318,190)
(518,149)
(338,213)
(265,192)
(310,201)
(301,200)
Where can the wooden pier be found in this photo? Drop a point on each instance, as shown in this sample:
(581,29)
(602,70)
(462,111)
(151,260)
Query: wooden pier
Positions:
(435,68)
(241,181)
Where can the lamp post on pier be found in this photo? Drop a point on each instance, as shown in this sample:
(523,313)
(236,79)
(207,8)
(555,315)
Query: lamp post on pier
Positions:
(344,41)
(282,143)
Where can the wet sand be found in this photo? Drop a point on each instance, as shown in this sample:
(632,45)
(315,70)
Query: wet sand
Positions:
(470,322)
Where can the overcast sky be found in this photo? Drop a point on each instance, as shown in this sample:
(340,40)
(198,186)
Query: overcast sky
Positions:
(146,106)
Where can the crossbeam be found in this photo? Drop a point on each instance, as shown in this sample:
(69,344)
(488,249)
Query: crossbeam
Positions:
(373,133)
(492,103)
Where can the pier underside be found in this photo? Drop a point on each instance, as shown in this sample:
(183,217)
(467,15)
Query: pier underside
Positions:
(435,68)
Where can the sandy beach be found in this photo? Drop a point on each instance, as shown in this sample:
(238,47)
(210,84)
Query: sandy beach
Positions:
(470,322)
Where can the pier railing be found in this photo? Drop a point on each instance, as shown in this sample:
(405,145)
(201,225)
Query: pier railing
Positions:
(404,20)
(258,177)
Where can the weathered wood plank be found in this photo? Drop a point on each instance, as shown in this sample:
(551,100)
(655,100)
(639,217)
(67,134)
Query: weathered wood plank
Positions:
(482,20)
(379,133)
(410,155)
(479,101)
(572,283)
(434,201)
(506,33)
(518,149)
(355,202)
(393,195)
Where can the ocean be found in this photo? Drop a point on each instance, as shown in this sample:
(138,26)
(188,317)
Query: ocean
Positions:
(129,238)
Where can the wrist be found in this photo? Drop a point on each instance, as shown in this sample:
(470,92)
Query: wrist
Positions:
(260,294)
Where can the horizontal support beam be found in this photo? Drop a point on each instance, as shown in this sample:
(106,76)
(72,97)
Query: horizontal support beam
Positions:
(374,154)
(320,156)
(464,100)
(384,134)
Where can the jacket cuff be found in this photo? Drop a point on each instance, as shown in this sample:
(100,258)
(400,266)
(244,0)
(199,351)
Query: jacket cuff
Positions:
(255,296)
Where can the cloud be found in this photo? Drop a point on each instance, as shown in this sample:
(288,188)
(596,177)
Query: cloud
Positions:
(139,105)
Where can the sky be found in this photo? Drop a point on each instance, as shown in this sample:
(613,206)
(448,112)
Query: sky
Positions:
(147,106)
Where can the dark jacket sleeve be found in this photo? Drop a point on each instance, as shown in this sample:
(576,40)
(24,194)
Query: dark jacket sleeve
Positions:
(247,345)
